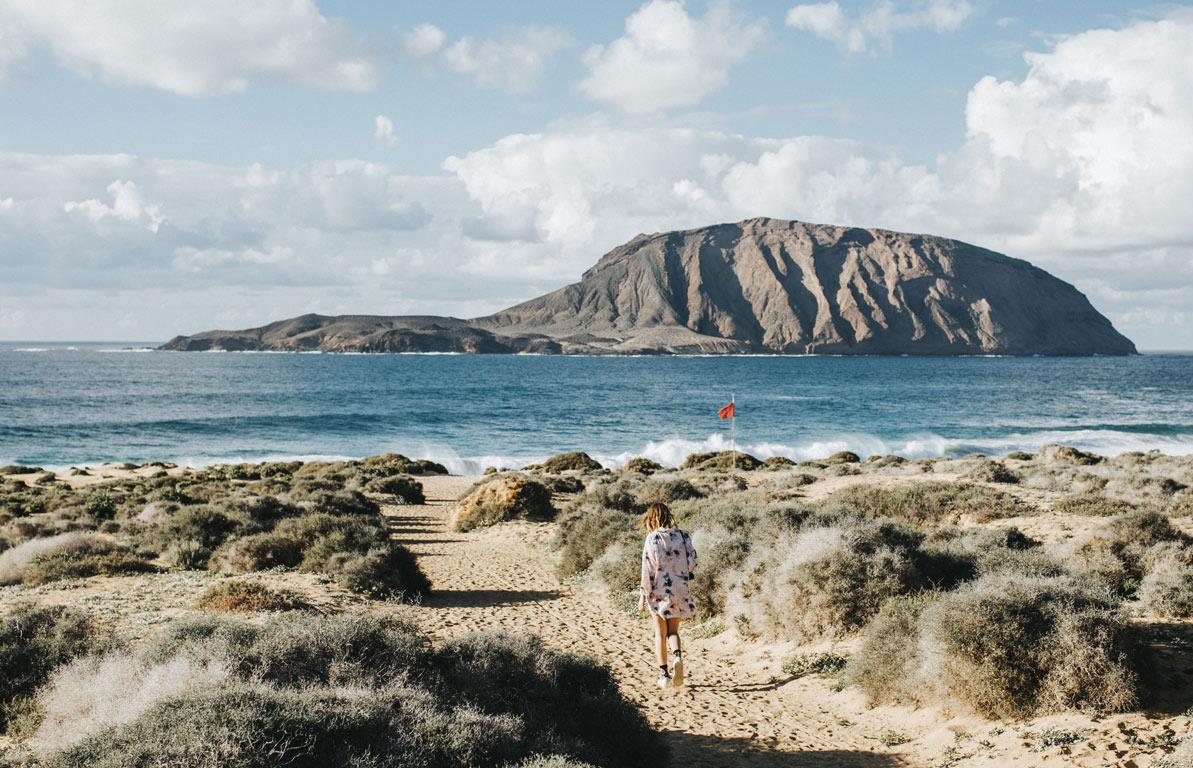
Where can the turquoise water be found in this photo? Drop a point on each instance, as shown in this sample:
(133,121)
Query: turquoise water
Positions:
(72,404)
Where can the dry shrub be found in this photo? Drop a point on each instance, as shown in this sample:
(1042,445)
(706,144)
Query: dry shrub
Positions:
(505,497)
(1006,646)
(403,489)
(1092,505)
(993,472)
(356,691)
(1116,555)
(16,562)
(258,552)
(397,464)
(930,502)
(249,597)
(33,643)
(886,666)
(387,572)
(620,567)
(47,568)
(1167,588)
(642,466)
(99,692)
(1063,454)
(552,761)
(572,461)
(668,491)
(828,578)
(721,460)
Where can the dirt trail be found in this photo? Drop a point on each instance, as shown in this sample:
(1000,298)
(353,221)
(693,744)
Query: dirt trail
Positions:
(735,711)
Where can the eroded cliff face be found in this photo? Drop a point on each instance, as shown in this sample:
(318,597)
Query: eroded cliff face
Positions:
(782,286)
(762,286)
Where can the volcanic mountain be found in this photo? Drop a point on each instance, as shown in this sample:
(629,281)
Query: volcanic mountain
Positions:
(758,286)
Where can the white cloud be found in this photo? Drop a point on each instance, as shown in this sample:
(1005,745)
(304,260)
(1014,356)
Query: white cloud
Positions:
(424,41)
(127,206)
(218,47)
(1083,166)
(514,62)
(876,27)
(383,130)
(667,59)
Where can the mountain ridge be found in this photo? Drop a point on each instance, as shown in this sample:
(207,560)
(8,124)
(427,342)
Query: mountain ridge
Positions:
(756,286)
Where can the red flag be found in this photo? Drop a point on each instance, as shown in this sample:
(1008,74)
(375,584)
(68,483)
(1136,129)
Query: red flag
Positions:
(728,412)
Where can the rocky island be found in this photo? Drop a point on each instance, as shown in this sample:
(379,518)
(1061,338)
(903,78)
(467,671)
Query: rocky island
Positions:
(761,286)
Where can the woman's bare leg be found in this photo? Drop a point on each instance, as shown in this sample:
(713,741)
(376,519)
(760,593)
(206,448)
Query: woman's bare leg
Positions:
(673,631)
(676,651)
(661,626)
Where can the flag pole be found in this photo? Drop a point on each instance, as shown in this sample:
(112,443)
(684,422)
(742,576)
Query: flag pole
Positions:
(733,432)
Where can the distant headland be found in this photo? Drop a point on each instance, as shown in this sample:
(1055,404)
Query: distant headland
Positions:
(761,286)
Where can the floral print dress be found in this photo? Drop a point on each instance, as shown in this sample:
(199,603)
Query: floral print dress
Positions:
(668,559)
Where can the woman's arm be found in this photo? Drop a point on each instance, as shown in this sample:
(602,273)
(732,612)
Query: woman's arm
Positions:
(649,566)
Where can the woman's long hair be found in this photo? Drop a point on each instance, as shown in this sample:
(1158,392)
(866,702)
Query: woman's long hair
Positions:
(658,515)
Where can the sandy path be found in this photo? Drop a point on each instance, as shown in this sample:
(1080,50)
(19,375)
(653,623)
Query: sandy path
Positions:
(732,712)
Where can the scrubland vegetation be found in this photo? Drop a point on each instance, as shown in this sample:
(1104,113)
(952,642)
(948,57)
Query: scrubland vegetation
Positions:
(318,517)
(948,600)
(1010,587)
(303,691)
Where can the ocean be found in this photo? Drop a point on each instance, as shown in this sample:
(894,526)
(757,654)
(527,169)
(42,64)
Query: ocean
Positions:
(74,404)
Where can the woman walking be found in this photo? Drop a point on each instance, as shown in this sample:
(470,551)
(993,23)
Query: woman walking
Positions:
(668,562)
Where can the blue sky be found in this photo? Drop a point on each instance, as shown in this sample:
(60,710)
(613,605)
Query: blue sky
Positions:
(456,157)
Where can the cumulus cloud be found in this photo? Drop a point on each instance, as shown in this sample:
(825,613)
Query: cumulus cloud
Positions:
(513,62)
(127,206)
(218,48)
(667,59)
(1081,166)
(875,28)
(383,130)
(424,41)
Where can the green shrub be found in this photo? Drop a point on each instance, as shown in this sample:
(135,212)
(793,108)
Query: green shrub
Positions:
(585,534)
(804,664)
(843,457)
(71,565)
(570,704)
(404,489)
(33,643)
(505,497)
(389,571)
(100,505)
(257,553)
(1092,505)
(19,469)
(202,524)
(778,462)
(929,502)
(718,565)
(721,460)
